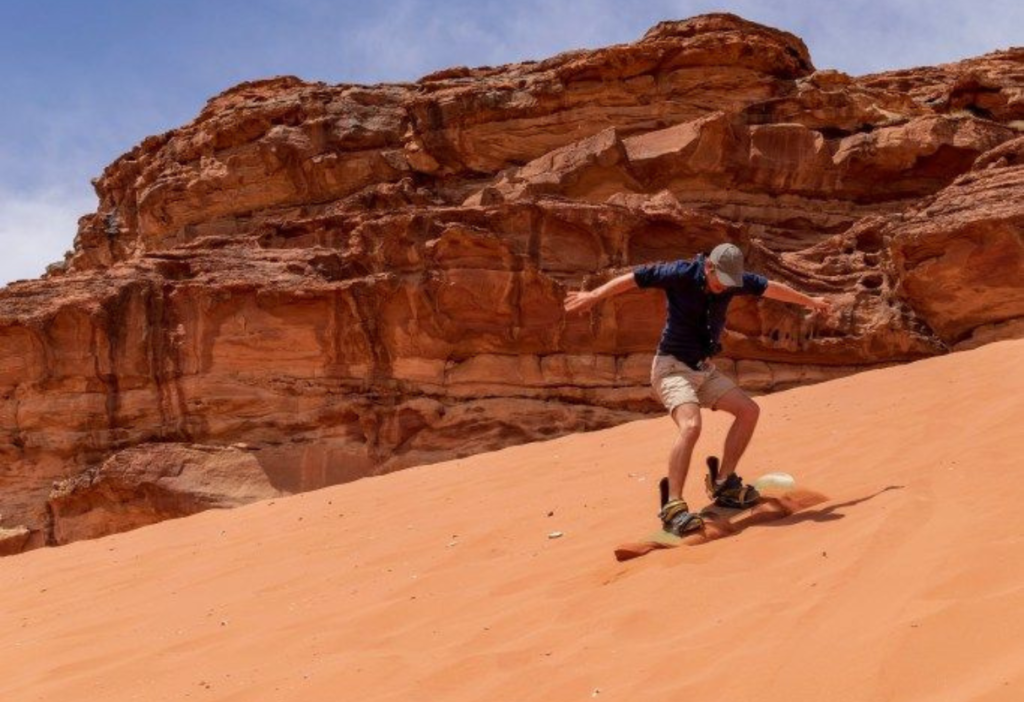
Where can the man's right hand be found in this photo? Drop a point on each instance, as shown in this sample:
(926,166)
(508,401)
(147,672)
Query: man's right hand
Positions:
(821,305)
(580,301)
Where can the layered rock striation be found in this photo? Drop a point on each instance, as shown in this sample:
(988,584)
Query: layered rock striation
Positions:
(346,280)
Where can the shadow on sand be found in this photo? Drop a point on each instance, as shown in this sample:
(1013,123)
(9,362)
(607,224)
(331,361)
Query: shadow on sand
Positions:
(828,513)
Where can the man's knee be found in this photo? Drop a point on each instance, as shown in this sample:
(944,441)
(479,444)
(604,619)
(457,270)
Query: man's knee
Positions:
(749,411)
(687,418)
(741,406)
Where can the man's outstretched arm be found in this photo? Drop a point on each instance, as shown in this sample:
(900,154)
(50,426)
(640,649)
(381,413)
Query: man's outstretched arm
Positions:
(784,293)
(579,301)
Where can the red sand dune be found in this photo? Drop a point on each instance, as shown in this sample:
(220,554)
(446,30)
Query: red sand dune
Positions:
(440,583)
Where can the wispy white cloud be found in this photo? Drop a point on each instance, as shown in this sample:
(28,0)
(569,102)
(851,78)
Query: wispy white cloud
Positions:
(36,228)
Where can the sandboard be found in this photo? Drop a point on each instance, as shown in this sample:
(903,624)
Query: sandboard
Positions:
(785,499)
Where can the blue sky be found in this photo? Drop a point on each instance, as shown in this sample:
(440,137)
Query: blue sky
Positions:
(86,80)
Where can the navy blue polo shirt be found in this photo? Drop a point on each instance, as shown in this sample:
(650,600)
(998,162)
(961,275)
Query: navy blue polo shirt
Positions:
(695,315)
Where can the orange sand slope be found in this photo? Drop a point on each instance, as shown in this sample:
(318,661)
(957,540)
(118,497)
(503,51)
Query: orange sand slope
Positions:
(441,582)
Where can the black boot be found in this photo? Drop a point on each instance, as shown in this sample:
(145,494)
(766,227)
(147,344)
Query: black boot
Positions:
(732,492)
(676,518)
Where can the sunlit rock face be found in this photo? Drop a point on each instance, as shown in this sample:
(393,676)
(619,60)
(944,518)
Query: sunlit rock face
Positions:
(313,283)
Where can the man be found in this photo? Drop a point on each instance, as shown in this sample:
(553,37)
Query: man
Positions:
(698,293)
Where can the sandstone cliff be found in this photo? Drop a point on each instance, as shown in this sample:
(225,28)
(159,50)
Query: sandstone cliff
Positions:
(348,279)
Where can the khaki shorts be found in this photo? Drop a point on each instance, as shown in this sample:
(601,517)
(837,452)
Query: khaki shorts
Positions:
(675,383)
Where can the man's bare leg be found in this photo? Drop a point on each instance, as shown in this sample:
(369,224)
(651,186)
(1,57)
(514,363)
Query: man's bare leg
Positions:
(746,411)
(687,419)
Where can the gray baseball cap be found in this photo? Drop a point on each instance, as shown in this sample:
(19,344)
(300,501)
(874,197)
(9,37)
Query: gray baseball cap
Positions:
(728,260)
